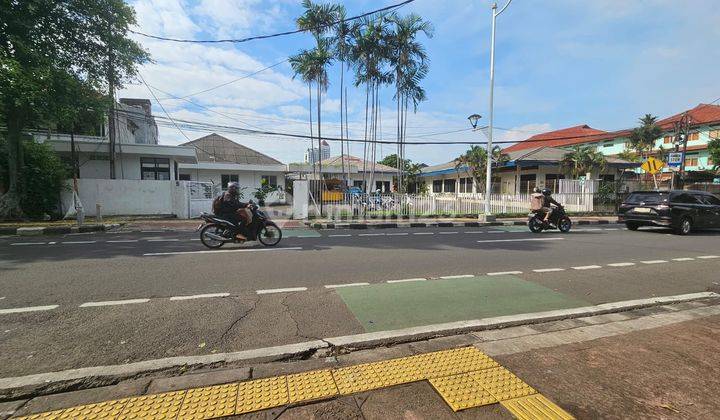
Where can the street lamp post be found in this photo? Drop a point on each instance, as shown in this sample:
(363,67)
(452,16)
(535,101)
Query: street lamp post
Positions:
(488,172)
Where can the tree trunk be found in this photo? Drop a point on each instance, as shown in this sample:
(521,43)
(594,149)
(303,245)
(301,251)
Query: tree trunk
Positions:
(342,141)
(365,142)
(322,178)
(10,208)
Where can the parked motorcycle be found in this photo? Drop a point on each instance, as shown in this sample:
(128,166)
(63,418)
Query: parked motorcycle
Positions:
(558,220)
(216,232)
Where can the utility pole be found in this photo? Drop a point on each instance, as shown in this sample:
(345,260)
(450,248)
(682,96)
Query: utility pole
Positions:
(488,169)
(111,111)
(684,126)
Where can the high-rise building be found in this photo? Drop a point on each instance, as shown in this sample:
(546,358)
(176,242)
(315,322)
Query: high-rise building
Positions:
(312,155)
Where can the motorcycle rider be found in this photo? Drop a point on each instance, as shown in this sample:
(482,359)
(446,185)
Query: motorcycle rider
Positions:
(548,202)
(235,211)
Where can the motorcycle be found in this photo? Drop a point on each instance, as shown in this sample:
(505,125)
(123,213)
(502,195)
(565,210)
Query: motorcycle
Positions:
(558,220)
(216,232)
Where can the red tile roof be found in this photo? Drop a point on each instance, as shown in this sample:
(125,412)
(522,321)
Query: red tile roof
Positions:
(701,114)
(563,137)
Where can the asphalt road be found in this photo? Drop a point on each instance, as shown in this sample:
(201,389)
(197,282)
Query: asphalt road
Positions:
(96,299)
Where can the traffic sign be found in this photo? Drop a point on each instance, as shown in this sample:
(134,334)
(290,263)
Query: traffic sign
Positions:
(675,159)
(652,165)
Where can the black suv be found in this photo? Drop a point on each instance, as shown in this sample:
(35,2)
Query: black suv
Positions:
(682,210)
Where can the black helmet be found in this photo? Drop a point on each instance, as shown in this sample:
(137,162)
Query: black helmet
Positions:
(546,192)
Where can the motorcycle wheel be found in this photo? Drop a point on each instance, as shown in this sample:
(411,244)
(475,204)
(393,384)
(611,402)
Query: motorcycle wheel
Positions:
(565,224)
(535,225)
(270,234)
(210,242)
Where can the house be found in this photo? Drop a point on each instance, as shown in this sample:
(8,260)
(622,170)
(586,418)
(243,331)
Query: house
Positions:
(358,171)
(221,160)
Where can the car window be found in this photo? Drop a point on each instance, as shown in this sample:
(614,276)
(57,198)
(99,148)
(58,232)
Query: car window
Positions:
(647,197)
(685,199)
(711,199)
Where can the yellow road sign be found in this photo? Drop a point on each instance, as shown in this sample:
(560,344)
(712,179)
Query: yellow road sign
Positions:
(652,165)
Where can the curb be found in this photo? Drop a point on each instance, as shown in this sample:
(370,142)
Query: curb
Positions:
(57,230)
(92,377)
(389,225)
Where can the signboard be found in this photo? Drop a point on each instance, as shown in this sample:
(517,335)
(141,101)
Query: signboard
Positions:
(652,165)
(675,160)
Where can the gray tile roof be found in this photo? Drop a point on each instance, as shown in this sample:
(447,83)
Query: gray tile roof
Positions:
(218,149)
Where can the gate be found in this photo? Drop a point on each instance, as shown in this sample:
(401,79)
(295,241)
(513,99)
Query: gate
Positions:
(200,197)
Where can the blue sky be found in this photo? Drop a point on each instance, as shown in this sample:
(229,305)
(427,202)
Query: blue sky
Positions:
(559,63)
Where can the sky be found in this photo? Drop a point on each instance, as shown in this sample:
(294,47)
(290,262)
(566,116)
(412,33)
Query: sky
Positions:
(559,63)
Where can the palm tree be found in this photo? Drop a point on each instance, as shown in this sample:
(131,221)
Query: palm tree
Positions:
(581,160)
(408,60)
(642,139)
(342,44)
(301,64)
(474,162)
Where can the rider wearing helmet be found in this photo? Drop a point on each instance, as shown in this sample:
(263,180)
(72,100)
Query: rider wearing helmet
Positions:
(233,210)
(548,202)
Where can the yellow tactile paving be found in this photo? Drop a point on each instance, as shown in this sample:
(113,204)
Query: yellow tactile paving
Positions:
(358,378)
(502,384)
(260,394)
(312,385)
(462,391)
(153,407)
(464,377)
(535,407)
(209,402)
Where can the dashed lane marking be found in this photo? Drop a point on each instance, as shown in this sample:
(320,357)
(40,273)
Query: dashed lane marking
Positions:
(282,290)
(504,273)
(222,251)
(457,276)
(335,286)
(406,280)
(623,264)
(77,242)
(447,233)
(371,234)
(27,243)
(586,267)
(423,233)
(114,302)
(548,270)
(339,236)
(708,257)
(123,241)
(205,295)
(164,240)
(684,259)
(27,309)
(520,240)
(654,261)
(398,234)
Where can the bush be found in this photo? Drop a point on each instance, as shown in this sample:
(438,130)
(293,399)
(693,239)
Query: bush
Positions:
(42,179)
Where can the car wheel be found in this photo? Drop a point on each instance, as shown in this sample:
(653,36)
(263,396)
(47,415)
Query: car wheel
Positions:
(685,226)
(632,226)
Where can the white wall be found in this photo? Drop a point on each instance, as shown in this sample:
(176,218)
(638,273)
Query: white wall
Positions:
(251,180)
(126,167)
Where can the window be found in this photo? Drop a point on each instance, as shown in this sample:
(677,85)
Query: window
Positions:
(684,199)
(270,180)
(714,134)
(358,184)
(466,185)
(184,177)
(225,179)
(437,186)
(155,168)
(449,186)
(691,160)
(647,198)
(668,139)
(694,136)
(711,199)
(608,144)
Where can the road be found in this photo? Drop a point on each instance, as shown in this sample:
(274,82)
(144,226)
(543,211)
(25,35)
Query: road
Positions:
(108,298)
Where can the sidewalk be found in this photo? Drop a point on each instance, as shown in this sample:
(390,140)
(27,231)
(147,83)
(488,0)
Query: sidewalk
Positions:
(658,362)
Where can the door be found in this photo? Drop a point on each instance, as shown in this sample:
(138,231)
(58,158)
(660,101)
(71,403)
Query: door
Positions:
(714,209)
(686,204)
(704,211)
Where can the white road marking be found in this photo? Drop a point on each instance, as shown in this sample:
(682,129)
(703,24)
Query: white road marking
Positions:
(503,273)
(423,233)
(708,257)
(654,262)
(406,280)
(206,295)
(152,231)
(284,290)
(684,259)
(335,286)
(27,309)
(77,242)
(498,231)
(479,231)
(194,239)
(52,243)
(548,270)
(611,229)
(122,241)
(114,302)
(621,264)
(371,234)
(397,234)
(164,240)
(27,243)
(152,254)
(447,233)
(587,267)
(520,240)
(457,276)
(339,236)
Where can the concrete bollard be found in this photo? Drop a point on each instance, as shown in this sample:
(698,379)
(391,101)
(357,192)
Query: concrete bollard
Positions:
(98,213)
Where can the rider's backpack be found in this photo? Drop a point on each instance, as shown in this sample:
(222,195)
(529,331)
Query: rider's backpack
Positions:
(217,204)
(536,201)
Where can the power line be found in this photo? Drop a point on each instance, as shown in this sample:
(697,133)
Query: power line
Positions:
(253,38)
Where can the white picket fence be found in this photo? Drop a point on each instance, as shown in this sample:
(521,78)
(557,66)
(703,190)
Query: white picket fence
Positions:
(414,206)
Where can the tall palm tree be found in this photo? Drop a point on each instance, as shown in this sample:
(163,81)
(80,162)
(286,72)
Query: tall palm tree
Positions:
(342,44)
(301,64)
(408,60)
(474,162)
(642,138)
(581,160)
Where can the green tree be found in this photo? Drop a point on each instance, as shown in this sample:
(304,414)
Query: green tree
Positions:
(642,139)
(392,161)
(474,162)
(581,160)
(714,152)
(629,155)
(40,43)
